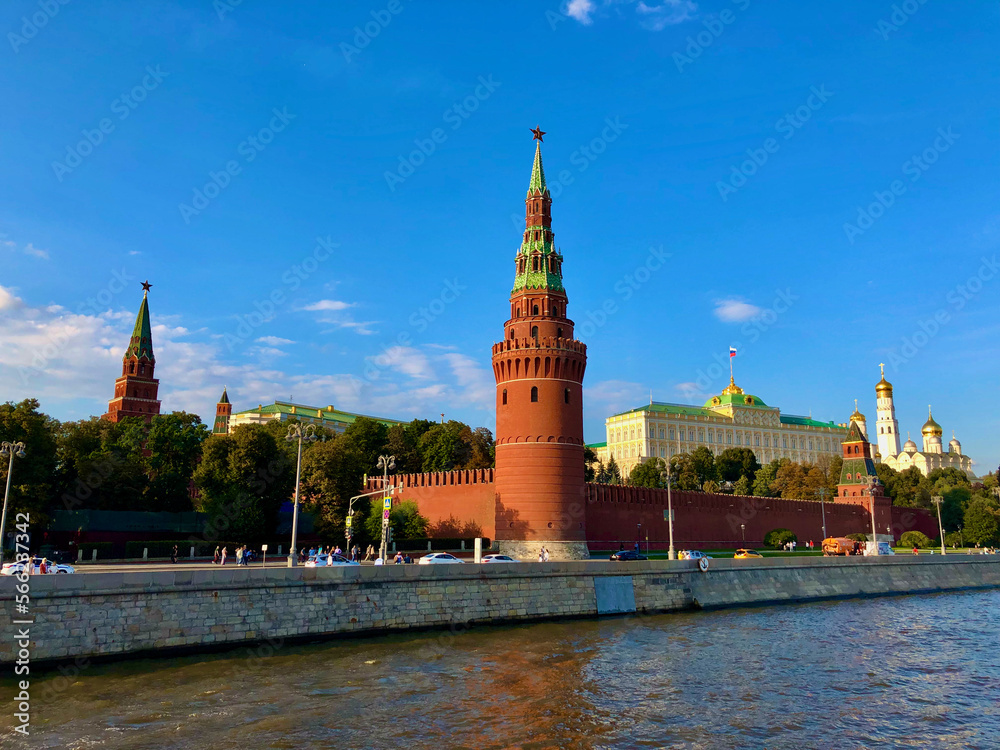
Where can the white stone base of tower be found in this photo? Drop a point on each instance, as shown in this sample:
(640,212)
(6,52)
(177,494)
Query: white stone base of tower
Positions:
(525,550)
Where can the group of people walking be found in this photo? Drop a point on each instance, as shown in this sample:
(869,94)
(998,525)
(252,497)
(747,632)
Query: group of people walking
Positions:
(243,555)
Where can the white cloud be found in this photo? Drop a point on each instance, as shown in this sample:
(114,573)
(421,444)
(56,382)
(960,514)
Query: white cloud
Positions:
(735,310)
(655,16)
(29,249)
(581,10)
(8,300)
(668,13)
(690,391)
(325,305)
(614,396)
(274,340)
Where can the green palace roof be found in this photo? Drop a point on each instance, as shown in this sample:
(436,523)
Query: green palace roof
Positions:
(661,408)
(729,399)
(809,422)
(597,445)
(737,399)
(324,414)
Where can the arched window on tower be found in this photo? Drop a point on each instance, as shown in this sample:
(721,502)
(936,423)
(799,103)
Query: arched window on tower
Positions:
(512,333)
(504,396)
(555,311)
(131,367)
(566,395)
(534,310)
(534,394)
(142,369)
(534,332)
(559,333)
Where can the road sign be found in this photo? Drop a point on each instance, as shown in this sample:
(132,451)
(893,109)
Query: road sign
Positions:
(348,522)
(386,503)
(668,516)
(263,548)
(385,515)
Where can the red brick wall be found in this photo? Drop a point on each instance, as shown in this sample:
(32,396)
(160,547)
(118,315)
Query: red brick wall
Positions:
(700,519)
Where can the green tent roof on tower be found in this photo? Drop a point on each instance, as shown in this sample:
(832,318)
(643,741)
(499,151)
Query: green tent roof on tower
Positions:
(225,397)
(141,344)
(537,183)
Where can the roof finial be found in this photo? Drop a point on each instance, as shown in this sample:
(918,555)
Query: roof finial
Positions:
(146,287)
(538,133)
(855,404)
(881,367)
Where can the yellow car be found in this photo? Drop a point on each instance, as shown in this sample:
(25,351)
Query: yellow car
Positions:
(744,554)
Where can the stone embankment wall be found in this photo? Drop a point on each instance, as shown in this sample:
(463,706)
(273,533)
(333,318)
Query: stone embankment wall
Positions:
(118,614)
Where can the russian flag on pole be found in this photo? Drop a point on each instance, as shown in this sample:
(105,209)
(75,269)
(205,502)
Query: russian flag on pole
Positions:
(732,351)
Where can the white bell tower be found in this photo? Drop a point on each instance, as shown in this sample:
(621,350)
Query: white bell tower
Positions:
(886,426)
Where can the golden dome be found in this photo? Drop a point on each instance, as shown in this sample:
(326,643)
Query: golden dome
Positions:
(732,389)
(857,416)
(883,387)
(931,428)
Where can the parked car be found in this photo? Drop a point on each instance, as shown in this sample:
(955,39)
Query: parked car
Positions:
(883,549)
(627,555)
(438,558)
(746,554)
(692,554)
(13,568)
(499,559)
(319,561)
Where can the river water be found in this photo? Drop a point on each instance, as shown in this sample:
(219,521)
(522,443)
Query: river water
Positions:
(901,672)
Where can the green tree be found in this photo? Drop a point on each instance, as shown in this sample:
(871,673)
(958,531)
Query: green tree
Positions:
(589,461)
(742,486)
(614,473)
(647,473)
(332,473)
(683,472)
(981,522)
(778,538)
(703,464)
(369,438)
(915,539)
(404,519)
(32,484)
(244,478)
(172,449)
(765,478)
(734,464)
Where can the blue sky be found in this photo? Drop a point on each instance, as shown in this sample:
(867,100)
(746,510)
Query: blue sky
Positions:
(812,183)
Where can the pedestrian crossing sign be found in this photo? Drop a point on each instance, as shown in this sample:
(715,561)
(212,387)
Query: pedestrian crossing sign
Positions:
(386,503)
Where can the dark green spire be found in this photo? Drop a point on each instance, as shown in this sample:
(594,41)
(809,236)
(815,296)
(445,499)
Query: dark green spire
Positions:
(537,184)
(141,344)
(225,398)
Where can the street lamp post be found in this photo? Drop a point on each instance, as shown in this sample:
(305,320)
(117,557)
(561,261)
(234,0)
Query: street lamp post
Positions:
(665,475)
(8,449)
(307,434)
(386,463)
(743,528)
(822,507)
(870,482)
(938,499)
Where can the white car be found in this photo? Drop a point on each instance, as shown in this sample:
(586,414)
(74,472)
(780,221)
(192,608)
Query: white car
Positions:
(438,558)
(322,561)
(499,559)
(13,568)
(691,554)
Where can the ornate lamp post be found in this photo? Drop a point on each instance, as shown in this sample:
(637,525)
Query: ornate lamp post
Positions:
(8,449)
(870,482)
(743,528)
(666,477)
(385,463)
(307,434)
(938,499)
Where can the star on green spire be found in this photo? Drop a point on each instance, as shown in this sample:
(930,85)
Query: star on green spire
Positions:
(141,343)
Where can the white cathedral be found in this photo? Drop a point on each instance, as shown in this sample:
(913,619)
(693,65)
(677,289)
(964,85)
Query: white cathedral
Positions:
(888,452)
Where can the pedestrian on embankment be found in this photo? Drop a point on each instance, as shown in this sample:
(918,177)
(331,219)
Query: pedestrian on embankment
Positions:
(173,555)
(225,551)
(215,557)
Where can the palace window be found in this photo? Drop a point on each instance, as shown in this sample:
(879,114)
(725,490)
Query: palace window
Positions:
(729,438)
(701,436)
(810,445)
(710,436)
(534,394)
(739,439)
(756,441)
(662,452)
(671,433)
(652,433)
(661,433)
(784,442)
(691,435)
(767,442)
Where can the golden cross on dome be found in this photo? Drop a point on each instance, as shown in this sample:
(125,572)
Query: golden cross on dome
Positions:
(146,285)
(538,133)
(881,366)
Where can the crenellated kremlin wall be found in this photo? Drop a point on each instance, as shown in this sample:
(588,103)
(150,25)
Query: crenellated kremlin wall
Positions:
(618,514)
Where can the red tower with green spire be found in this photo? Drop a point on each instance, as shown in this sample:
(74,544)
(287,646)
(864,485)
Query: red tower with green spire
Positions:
(223,411)
(539,369)
(136,389)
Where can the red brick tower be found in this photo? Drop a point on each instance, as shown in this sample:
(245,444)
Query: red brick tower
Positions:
(539,370)
(857,475)
(223,411)
(135,390)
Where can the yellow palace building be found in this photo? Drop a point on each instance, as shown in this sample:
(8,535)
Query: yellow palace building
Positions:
(733,419)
